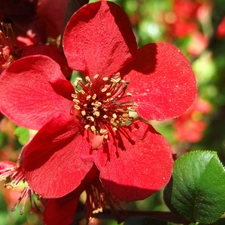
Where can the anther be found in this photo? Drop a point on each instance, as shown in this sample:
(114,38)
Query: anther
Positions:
(103,131)
(96,76)
(96,113)
(114,115)
(83,113)
(87,78)
(105,78)
(76,100)
(77,107)
(104,89)
(77,81)
(91,118)
(88,97)
(114,129)
(93,129)
(94,96)
(98,104)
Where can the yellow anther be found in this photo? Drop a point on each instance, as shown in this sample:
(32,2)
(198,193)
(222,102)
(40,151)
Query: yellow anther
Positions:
(114,115)
(104,89)
(96,113)
(93,129)
(94,96)
(91,118)
(77,107)
(88,97)
(96,76)
(87,78)
(103,131)
(83,113)
(105,78)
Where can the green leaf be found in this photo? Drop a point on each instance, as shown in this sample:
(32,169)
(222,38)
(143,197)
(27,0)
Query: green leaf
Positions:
(198,189)
(22,134)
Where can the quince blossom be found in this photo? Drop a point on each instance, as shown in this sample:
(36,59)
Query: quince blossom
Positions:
(95,122)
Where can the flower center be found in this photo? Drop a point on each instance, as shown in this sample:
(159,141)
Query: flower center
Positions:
(103,105)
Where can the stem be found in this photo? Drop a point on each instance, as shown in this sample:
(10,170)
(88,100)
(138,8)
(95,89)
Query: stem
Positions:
(125,214)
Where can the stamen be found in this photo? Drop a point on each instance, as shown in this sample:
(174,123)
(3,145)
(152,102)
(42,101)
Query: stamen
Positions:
(96,76)
(94,96)
(114,115)
(16,175)
(87,78)
(93,129)
(105,78)
(104,89)
(99,106)
(83,113)
(88,97)
(96,113)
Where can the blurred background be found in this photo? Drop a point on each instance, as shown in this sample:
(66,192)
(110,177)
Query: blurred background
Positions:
(197,28)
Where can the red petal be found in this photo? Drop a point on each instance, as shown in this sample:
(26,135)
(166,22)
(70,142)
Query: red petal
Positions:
(51,161)
(50,51)
(33,90)
(62,210)
(53,15)
(161,81)
(142,168)
(6,164)
(98,39)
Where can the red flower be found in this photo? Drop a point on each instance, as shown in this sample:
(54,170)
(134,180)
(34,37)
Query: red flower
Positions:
(191,126)
(94,123)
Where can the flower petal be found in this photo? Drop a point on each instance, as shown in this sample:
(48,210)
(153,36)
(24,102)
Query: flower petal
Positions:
(51,161)
(61,210)
(98,39)
(33,89)
(143,168)
(161,81)
(52,15)
(51,51)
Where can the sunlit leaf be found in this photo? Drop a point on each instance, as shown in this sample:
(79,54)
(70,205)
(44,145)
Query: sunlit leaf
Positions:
(198,188)
(22,134)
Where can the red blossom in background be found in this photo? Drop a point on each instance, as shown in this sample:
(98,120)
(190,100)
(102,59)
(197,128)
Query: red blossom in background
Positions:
(220,33)
(34,21)
(92,123)
(182,21)
(190,126)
